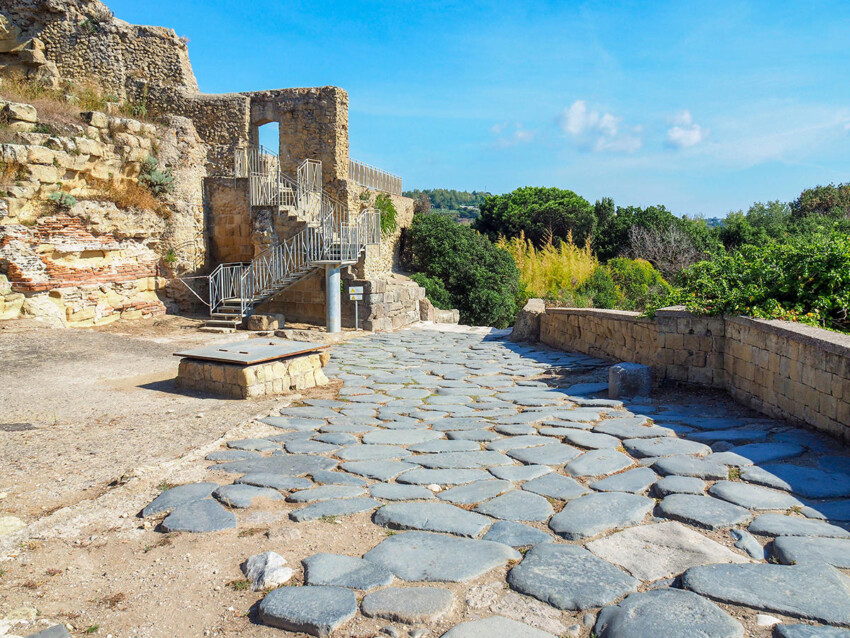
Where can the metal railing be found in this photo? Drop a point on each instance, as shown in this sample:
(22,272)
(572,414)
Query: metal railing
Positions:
(373,177)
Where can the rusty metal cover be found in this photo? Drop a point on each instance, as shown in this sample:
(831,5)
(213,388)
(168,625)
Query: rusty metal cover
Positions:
(251,351)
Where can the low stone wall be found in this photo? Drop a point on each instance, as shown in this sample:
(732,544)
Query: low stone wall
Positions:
(780,368)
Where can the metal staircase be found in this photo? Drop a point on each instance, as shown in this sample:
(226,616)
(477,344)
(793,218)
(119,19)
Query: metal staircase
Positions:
(332,234)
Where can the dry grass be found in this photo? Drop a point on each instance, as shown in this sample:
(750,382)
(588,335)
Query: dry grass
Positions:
(126,194)
(550,271)
(10,173)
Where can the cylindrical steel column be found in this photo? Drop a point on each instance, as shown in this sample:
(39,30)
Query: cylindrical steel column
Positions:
(332,298)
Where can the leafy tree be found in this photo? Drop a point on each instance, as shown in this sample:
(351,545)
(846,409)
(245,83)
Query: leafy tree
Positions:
(828,201)
(481,279)
(435,290)
(639,283)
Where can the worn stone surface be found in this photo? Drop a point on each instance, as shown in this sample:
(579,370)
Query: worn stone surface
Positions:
(556,485)
(598,463)
(702,511)
(752,496)
(432,517)
(629,380)
(495,626)
(409,605)
(599,512)
(277,481)
(795,550)
(806,481)
(517,506)
(808,631)
(781,525)
(678,485)
(266,570)
(317,611)
(199,516)
(636,480)
(179,495)
(344,571)
(334,508)
(242,496)
(475,492)
(516,534)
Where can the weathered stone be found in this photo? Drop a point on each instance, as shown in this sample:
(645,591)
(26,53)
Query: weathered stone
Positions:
(332,509)
(556,485)
(808,631)
(664,446)
(378,470)
(551,454)
(265,322)
(632,428)
(569,577)
(56,631)
(517,506)
(629,380)
(199,516)
(420,556)
(277,481)
(317,611)
(766,452)
(805,481)
(231,455)
(650,552)
(781,525)
(442,445)
(633,481)
(495,626)
(752,496)
(516,534)
(527,322)
(674,613)
(266,570)
(683,465)
(795,550)
(599,512)
(518,441)
(432,517)
(344,571)
(325,493)
(747,542)
(241,496)
(409,605)
(531,612)
(179,495)
(679,485)
(461,460)
(291,465)
(591,440)
(702,511)
(519,472)
(394,492)
(475,492)
(371,453)
(336,478)
(400,437)
(598,463)
(442,477)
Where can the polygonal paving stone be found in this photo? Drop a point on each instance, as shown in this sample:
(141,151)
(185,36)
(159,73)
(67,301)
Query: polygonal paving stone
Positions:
(431,517)
(317,611)
(675,613)
(833,511)
(781,525)
(325,493)
(400,437)
(664,446)
(198,517)
(442,477)
(179,495)
(301,446)
(378,470)
(337,478)
(231,455)
(636,480)
(808,631)
(519,472)
(752,496)
(599,512)
(516,534)
(371,453)
(766,452)
(475,492)
(733,435)
(515,429)
(518,442)
(678,485)
(632,428)
(420,556)
(336,438)
(651,552)
(569,577)
(598,463)
(702,511)
(242,496)
(795,550)
(495,626)
(459,424)
(556,486)
(473,435)
(309,412)
(276,481)
(690,466)
(517,506)
(443,445)
(805,481)
(551,454)
(351,572)
(289,464)
(460,460)
(294,423)
(343,507)
(815,591)
(591,440)
(747,542)
(395,492)
(409,605)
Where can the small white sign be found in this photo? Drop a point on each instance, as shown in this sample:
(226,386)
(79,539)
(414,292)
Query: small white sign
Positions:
(355,290)
(356,297)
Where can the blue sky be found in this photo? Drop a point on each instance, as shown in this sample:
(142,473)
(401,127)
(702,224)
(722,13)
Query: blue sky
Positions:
(704,107)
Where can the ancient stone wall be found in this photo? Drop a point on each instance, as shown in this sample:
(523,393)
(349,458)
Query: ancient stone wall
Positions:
(780,368)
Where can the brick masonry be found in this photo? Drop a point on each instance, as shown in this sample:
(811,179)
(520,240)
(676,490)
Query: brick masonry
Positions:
(783,369)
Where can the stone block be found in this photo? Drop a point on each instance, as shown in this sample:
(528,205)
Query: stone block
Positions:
(629,380)
(265,322)
(10,306)
(426,310)
(95,119)
(20,112)
(447,316)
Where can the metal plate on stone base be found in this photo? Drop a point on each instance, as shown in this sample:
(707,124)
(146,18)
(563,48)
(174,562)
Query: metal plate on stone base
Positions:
(251,351)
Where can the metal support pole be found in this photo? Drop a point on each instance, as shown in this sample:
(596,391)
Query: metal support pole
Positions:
(332,300)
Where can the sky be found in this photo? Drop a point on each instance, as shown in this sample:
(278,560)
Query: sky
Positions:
(704,107)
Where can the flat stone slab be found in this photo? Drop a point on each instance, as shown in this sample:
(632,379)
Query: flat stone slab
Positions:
(475,492)
(344,571)
(556,485)
(833,511)
(378,470)
(432,517)
(516,534)
(400,437)
(443,445)
(599,512)
(598,463)
(276,481)
(752,496)
(461,460)
(442,477)
(569,577)
(760,453)
(316,611)
(551,454)
(395,492)
(420,556)
(591,440)
(679,485)
(808,631)
(256,445)
(781,525)
(651,552)
(518,442)
(179,495)
(795,550)
(325,493)
(493,627)
(473,435)
(371,453)
(632,428)
(702,511)
(307,446)
(333,509)
(337,478)
(806,481)
(664,446)
(671,613)
(242,496)
(231,455)
(813,591)
(199,516)
(517,506)
(683,465)
(636,480)
(336,438)
(289,464)
(408,605)
(519,472)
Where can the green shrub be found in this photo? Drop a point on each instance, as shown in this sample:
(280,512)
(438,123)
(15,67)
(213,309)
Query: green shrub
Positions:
(435,290)
(481,279)
(639,283)
(385,206)
(158,181)
(62,200)
(600,290)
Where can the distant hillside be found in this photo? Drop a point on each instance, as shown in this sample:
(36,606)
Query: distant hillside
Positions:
(461,205)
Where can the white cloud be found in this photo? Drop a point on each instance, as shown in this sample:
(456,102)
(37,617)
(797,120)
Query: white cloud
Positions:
(685,132)
(599,132)
(511,134)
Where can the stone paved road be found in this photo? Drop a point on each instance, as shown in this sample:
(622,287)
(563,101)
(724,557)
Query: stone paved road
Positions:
(642,519)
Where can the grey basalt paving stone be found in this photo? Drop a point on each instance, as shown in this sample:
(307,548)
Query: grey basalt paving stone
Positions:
(518,442)
(231,455)
(814,591)
(600,512)
(459,423)
(300,446)
(517,506)
(294,423)
(671,613)
(678,485)
(316,611)
(409,393)
(733,435)
(693,466)
(475,492)
(551,454)
(563,428)
(443,445)
(400,437)
(808,631)
(199,517)
(514,429)
(664,446)
(378,470)
(516,534)
(569,577)
(473,435)
(371,453)
(795,550)
(348,426)
(432,517)
(598,463)
(495,626)
(336,438)
(833,511)
(752,496)
(556,485)
(632,428)
(702,511)
(760,453)
(839,464)
(519,472)
(255,445)
(179,495)
(421,556)
(289,464)
(747,542)
(325,493)
(396,492)
(56,631)
(636,480)
(806,481)
(352,572)
(442,477)
(409,605)
(241,496)
(275,481)
(342,507)
(337,478)
(781,525)
(461,460)
(591,440)
(309,412)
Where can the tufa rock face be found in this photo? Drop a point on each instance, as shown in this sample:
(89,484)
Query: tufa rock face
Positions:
(527,324)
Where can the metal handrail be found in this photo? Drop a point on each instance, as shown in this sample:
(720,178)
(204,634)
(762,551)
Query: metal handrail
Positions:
(374,177)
